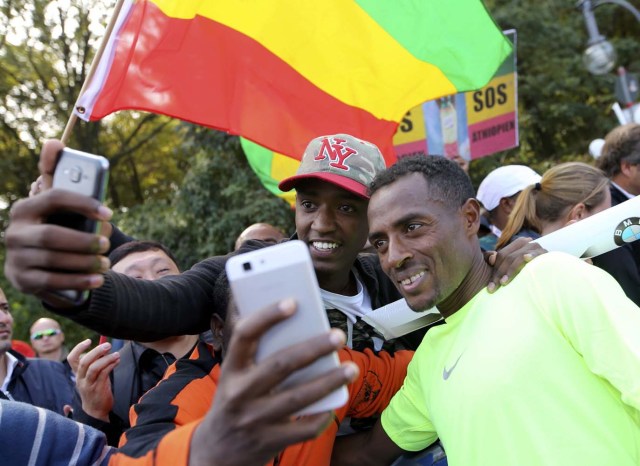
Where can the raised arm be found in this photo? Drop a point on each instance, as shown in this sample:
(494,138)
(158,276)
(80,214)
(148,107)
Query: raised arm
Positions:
(42,258)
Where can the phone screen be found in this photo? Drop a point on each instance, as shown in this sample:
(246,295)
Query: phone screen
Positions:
(266,276)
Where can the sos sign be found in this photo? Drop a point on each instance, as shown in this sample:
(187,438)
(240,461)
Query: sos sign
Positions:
(489,97)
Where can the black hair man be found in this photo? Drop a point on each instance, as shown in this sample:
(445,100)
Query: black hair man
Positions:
(109,383)
(544,371)
(331,204)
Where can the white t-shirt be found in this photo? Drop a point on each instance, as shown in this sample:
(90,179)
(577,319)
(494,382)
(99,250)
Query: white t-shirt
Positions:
(11,362)
(354,307)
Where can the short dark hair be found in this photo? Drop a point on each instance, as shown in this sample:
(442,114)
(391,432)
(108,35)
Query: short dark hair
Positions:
(133,247)
(446,181)
(222,294)
(620,144)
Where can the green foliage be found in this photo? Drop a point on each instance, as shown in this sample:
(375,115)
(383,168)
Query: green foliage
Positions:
(220,197)
(191,188)
(45,50)
(562,107)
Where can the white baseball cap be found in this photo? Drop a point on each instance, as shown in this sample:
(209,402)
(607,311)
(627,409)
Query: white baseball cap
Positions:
(505,182)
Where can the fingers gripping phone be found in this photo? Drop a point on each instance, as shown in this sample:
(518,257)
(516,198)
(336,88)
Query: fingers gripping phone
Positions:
(82,173)
(264,276)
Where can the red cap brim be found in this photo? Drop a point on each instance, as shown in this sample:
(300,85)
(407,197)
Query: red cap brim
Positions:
(345,183)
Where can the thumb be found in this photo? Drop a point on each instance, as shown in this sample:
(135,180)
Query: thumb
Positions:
(490,257)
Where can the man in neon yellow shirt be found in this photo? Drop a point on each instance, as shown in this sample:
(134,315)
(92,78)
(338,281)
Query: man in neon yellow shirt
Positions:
(544,372)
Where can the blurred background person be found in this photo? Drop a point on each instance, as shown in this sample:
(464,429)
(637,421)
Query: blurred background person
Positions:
(39,382)
(620,160)
(260,231)
(566,193)
(498,193)
(47,339)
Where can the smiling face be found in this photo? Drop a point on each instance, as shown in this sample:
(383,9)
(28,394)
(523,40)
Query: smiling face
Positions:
(333,223)
(425,247)
(146,265)
(6,324)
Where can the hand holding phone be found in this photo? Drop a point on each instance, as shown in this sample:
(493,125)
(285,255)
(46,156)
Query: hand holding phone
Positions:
(266,276)
(41,257)
(250,422)
(82,173)
(86,174)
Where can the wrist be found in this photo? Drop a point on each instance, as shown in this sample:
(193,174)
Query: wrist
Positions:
(97,413)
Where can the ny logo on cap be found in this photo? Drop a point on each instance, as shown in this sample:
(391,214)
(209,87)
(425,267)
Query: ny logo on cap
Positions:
(336,151)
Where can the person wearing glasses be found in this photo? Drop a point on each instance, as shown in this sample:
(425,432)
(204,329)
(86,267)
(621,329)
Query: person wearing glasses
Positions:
(47,339)
(39,382)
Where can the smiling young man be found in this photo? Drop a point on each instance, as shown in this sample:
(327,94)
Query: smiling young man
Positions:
(544,371)
(331,217)
(331,206)
(173,424)
(331,182)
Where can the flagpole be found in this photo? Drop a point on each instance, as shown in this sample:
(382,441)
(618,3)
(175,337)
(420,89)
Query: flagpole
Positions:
(94,65)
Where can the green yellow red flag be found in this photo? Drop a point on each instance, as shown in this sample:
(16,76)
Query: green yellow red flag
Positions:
(282,72)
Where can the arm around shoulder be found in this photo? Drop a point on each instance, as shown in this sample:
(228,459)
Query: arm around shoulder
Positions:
(370,448)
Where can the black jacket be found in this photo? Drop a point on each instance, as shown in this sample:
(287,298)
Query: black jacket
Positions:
(132,377)
(146,310)
(623,263)
(40,382)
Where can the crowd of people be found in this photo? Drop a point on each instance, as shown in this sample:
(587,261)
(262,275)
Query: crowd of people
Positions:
(535,362)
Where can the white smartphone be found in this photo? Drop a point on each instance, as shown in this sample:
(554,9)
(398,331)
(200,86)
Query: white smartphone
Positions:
(264,276)
(86,174)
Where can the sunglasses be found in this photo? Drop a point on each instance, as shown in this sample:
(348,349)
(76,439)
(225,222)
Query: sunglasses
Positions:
(45,333)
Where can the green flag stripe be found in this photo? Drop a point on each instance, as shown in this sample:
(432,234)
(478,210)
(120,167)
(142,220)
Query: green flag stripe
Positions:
(260,160)
(456,35)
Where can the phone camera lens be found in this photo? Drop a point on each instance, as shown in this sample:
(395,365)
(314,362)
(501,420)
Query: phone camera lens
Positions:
(246,266)
(75,174)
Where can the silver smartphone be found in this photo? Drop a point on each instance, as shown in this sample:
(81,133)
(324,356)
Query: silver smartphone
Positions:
(86,174)
(264,276)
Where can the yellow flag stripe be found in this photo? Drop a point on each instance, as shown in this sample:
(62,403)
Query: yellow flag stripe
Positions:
(342,45)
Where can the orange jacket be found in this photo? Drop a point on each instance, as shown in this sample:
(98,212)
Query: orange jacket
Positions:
(165,418)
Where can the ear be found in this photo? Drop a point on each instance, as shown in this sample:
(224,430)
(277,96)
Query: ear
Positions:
(471,216)
(217,329)
(506,204)
(578,212)
(625,168)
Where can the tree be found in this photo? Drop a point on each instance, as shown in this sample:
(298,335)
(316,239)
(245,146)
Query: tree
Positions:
(46,48)
(219,198)
(562,107)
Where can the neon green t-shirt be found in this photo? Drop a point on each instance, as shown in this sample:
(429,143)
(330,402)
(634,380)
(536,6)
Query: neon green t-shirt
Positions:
(546,371)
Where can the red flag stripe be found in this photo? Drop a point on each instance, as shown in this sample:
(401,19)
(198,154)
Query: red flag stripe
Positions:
(151,75)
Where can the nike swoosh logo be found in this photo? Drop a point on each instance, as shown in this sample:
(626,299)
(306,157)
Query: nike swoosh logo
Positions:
(447,373)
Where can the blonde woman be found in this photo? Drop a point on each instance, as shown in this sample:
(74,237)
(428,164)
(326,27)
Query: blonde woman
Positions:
(566,193)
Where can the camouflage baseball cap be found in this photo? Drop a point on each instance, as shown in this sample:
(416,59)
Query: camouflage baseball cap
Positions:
(340,159)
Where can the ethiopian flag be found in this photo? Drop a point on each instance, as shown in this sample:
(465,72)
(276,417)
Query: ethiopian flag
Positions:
(282,72)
